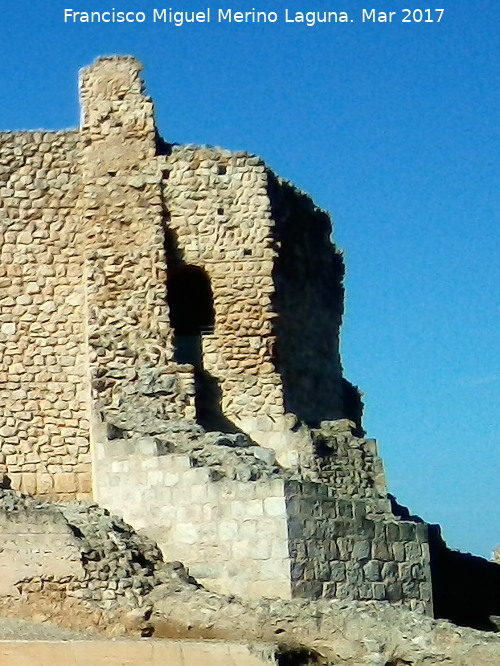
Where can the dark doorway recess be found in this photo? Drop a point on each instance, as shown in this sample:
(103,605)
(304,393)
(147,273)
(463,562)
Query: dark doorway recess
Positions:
(191,305)
(190,300)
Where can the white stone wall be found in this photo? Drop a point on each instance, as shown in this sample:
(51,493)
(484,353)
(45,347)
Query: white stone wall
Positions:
(231,535)
(36,545)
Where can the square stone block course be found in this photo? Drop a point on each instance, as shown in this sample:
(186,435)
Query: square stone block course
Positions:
(274,506)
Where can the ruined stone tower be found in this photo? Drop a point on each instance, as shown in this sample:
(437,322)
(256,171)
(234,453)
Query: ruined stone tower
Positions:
(169,328)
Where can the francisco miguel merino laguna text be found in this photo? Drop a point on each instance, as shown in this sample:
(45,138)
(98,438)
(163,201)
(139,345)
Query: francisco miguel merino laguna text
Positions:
(309,18)
(179,18)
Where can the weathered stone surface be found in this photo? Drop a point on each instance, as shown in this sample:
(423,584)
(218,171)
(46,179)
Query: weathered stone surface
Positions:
(126,588)
(169,337)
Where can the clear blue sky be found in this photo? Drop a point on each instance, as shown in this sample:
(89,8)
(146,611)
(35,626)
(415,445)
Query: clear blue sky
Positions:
(392,127)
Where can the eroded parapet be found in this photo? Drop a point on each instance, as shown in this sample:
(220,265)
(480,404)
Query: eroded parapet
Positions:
(78,550)
(133,375)
(349,464)
(253,258)
(117,122)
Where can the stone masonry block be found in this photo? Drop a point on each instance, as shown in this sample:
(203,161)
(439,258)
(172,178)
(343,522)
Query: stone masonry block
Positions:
(421,532)
(189,513)
(44,483)
(229,491)
(249,528)
(337,572)
(202,570)
(411,589)
(418,571)
(379,591)
(394,592)
(373,571)
(308,589)
(322,571)
(28,483)
(155,476)
(274,569)
(185,533)
(367,528)
(345,591)
(175,463)
(359,510)
(361,550)
(398,550)
(390,572)
(198,494)
(65,483)
(346,509)
(315,549)
(365,591)
(392,532)
(413,551)
(280,548)
(331,550)
(171,480)
(345,546)
(193,477)
(274,506)
(329,590)
(426,592)
(380,550)
(329,508)
(228,530)
(354,575)
(408,531)
(297,549)
(295,528)
(298,571)
(254,508)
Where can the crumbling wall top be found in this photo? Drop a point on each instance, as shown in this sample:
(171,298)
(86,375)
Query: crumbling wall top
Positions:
(122,70)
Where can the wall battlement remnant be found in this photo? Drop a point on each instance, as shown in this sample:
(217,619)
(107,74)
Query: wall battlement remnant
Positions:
(169,335)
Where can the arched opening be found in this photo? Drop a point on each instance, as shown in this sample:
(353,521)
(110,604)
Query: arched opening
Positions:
(190,302)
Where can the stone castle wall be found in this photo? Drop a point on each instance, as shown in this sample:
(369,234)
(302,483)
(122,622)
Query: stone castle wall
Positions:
(218,218)
(36,545)
(338,552)
(276,283)
(155,295)
(231,534)
(44,413)
(107,230)
(270,537)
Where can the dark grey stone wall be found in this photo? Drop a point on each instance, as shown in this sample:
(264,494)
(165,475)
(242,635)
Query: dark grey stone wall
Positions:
(338,552)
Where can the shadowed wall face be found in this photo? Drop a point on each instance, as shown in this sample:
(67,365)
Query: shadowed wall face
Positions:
(308,301)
